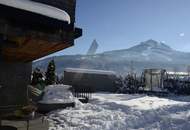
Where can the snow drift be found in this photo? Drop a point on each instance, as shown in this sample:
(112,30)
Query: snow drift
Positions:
(125,112)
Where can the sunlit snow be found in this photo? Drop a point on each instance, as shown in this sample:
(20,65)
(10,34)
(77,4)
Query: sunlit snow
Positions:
(122,112)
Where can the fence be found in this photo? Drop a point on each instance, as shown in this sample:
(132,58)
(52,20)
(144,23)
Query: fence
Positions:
(84,92)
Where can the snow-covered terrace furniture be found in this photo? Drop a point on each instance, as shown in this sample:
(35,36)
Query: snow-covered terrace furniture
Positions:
(31,29)
(34,93)
(56,97)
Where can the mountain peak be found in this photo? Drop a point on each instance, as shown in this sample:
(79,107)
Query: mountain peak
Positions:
(150,41)
(155,44)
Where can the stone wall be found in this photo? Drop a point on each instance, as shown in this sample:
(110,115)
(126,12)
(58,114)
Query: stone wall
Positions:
(14,78)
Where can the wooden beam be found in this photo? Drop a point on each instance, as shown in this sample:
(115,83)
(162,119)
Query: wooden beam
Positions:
(28,56)
(8,30)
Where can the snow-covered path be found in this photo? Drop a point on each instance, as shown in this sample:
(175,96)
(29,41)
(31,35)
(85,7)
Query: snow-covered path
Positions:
(125,112)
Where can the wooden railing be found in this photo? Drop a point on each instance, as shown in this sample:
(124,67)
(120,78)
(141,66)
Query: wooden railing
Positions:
(84,92)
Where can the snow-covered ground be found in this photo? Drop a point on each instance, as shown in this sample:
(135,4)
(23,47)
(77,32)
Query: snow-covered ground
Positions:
(125,112)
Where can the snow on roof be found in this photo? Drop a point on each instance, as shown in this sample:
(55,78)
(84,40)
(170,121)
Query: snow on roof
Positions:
(38,8)
(177,73)
(90,71)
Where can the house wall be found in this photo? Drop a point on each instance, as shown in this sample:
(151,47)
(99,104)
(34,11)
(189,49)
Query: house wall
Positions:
(14,78)
(97,82)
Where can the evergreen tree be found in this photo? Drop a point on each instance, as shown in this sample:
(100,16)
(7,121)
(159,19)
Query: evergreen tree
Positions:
(128,84)
(50,73)
(119,84)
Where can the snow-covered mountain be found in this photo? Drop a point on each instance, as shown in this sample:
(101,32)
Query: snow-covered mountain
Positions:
(148,54)
(150,51)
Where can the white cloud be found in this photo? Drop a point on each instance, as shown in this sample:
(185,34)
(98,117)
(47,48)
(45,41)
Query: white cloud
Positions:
(182,34)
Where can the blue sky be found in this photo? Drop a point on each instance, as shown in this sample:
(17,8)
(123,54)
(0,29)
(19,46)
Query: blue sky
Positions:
(120,24)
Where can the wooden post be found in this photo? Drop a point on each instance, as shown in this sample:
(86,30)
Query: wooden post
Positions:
(28,123)
(0,122)
(151,80)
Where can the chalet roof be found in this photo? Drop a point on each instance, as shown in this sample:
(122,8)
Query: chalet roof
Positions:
(31,29)
(38,8)
(89,71)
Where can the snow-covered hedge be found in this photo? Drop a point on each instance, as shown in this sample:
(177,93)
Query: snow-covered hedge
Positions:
(128,84)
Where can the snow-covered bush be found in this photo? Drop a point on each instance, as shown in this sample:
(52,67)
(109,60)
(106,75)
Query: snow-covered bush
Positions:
(37,76)
(128,84)
(50,73)
(177,86)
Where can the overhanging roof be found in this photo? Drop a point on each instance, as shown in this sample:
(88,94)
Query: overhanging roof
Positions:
(27,36)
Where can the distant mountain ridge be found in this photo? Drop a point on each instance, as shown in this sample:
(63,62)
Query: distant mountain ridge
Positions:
(149,44)
(148,54)
(151,50)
